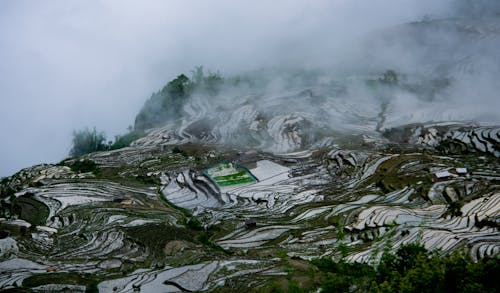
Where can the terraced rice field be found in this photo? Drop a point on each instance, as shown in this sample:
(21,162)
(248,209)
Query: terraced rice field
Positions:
(163,222)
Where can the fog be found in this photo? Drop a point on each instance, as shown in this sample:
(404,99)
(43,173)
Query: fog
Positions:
(66,65)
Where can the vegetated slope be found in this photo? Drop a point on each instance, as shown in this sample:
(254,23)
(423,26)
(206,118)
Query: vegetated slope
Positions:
(154,209)
(428,71)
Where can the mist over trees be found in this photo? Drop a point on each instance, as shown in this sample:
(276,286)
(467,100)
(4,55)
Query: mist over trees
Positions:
(87,141)
(166,104)
(163,106)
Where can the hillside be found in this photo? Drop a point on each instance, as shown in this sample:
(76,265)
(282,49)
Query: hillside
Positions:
(384,180)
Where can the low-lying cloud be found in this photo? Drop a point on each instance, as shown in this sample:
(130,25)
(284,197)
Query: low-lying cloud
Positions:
(65,65)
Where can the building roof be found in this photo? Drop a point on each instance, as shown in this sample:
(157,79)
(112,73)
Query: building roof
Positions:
(443,174)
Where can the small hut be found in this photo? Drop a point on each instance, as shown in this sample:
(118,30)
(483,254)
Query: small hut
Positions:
(442,176)
(51,269)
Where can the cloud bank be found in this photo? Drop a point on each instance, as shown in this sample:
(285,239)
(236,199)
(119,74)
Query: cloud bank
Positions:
(65,65)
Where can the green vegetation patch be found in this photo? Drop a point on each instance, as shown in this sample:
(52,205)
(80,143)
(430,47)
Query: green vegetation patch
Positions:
(411,269)
(88,280)
(227,174)
(31,210)
(155,236)
(122,141)
(232,179)
(390,175)
(87,141)
(84,166)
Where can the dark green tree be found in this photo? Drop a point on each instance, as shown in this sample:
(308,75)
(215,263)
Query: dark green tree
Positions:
(177,88)
(390,77)
(87,141)
(164,105)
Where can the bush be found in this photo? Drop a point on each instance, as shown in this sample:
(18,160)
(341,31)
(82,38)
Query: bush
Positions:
(84,166)
(125,140)
(412,269)
(455,209)
(177,150)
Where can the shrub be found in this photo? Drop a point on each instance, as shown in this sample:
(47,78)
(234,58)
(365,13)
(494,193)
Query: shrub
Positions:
(84,166)
(412,269)
(125,140)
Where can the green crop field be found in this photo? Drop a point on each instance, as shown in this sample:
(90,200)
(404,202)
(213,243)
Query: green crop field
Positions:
(227,174)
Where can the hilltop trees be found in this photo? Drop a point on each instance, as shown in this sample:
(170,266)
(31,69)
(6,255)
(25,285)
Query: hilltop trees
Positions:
(178,87)
(166,105)
(163,104)
(86,141)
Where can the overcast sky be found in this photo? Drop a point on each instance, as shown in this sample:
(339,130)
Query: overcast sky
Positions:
(68,64)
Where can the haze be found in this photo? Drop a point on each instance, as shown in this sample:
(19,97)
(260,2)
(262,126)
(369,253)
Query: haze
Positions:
(65,65)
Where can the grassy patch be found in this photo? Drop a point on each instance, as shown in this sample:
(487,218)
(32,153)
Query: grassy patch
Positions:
(391,175)
(156,236)
(84,166)
(232,179)
(88,280)
(31,210)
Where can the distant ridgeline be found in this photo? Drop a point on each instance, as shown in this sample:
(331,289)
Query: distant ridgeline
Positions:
(162,107)
(166,104)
